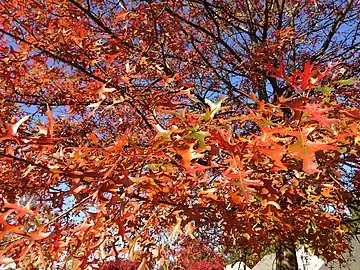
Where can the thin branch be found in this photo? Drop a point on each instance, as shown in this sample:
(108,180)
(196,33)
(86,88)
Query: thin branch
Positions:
(207,32)
(68,211)
(99,23)
(86,72)
(333,30)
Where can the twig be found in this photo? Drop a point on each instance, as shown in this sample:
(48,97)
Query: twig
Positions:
(68,211)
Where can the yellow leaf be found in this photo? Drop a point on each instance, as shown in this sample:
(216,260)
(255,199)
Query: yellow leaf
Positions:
(6,261)
(275,204)
(190,228)
(214,108)
(143,265)
(176,228)
(15,127)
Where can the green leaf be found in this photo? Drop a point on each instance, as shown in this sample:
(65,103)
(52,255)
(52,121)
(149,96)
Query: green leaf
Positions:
(342,150)
(350,81)
(326,90)
(199,135)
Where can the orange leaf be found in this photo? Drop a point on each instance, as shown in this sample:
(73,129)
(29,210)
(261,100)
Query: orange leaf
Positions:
(176,228)
(306,149)
(326,192)
(188,154)
(38,235)
(318,114)
(190,228)
(50,121)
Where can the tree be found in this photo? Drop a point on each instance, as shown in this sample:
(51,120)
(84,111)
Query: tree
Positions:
(128,124)
(121,264)
(197,256)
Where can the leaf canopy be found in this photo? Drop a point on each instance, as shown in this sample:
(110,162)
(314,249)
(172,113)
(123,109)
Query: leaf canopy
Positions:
(129,126)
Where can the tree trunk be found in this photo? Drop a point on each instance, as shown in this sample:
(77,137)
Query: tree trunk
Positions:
(286,257)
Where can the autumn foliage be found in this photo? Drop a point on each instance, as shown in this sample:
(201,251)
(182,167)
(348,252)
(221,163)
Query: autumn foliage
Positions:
(120,264)
(197,256)
(126,125)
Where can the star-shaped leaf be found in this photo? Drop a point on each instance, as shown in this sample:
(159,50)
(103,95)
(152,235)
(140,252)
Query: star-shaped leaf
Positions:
(306,149)
(200,136)
(188,154)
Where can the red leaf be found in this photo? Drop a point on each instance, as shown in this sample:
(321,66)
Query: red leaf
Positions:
(318,114)
(301,81)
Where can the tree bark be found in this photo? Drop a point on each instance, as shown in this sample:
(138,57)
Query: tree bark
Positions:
(286,257)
